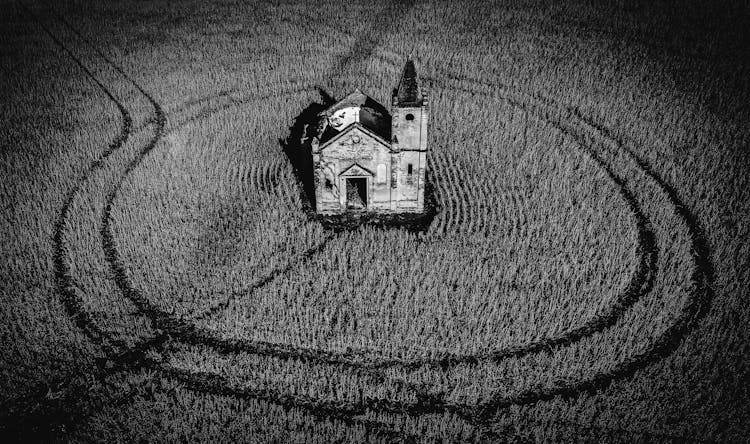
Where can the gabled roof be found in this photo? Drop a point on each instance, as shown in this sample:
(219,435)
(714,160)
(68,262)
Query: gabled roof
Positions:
(348,129)
(356,170)
(371,115)
(407,92)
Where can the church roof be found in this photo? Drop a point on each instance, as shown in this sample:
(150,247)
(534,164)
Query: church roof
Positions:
(407,92)
(356,125)
(370,114)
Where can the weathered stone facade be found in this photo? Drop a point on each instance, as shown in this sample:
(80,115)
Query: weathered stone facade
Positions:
(365,159)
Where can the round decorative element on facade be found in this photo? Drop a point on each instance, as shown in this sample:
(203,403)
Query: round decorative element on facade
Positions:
(337,122)
(355,138)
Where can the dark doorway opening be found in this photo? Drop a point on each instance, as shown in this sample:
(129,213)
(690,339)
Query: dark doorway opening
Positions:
(356,193)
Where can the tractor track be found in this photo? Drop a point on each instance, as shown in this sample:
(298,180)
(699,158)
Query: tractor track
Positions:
(134,357)
(186,331)
(64,282)
(178,330)
(696,308)
(642,283)
(175,328)
(698,301)
(182,331)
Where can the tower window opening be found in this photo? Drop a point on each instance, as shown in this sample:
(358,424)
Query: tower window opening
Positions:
(409,169)
(409,116)
(329,185)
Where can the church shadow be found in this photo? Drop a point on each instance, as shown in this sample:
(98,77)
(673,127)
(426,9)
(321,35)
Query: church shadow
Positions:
(297,146)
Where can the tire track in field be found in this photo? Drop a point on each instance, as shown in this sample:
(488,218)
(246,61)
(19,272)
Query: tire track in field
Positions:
(114,349)
(525,398)
(64,282)
(702,273)
(698,300)
(158,118)
(134,357)
(183,332)
(219,386)
(148,148)
(694,311)
(177,329)
(641,284)
(202,113)
(169,324)
(522,396)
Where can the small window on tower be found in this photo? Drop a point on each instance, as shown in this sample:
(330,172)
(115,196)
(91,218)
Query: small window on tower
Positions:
(409,169)
(410,116)
(329,185)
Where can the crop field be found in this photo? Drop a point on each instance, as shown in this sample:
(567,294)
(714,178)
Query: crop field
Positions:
(584,277)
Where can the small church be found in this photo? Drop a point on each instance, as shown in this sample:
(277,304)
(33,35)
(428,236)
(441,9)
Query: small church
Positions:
(367,159)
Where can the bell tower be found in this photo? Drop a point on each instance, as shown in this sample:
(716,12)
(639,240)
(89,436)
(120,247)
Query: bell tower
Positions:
(409,115)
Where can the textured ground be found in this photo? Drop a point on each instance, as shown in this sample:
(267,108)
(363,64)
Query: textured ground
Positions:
(583,278)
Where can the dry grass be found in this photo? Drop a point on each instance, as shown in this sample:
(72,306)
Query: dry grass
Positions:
(590,195)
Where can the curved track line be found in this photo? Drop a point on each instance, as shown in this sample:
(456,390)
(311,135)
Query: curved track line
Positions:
(703,272)
(113,256)
(694,310)
(696,307)
(165,322)
(187,331)
(134,357)
(108,242)
(183,332)
(666,343)
(64,282)
(530,397)
(131,358)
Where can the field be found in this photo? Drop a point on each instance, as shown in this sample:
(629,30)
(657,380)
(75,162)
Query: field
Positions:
(584,278)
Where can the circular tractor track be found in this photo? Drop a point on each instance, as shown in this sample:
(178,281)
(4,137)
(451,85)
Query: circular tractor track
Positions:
(182,331)
(178,330)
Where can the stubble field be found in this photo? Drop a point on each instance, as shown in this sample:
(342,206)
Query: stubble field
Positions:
(583,279)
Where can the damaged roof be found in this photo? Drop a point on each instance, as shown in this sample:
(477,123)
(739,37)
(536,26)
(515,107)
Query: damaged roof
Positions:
(369,113)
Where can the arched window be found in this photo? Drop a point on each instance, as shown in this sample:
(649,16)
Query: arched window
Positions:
(381,173)
(410,116)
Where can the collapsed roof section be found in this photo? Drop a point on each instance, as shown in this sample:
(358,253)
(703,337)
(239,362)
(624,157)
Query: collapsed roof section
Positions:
(356,107)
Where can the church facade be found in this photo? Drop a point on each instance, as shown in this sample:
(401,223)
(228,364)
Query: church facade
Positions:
(367,159)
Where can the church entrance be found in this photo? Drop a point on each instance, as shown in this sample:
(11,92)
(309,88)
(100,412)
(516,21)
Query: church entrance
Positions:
(356,193)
